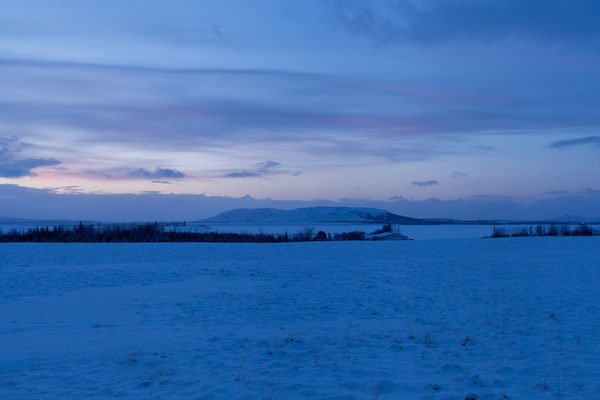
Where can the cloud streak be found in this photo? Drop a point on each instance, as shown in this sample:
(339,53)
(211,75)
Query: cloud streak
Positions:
(592,141)
(300,115)
(157,174)
(13,165)
(261,169)
(242,174)
(435,21)
(432,182)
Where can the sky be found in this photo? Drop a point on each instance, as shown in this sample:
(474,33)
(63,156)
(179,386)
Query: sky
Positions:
(431,108)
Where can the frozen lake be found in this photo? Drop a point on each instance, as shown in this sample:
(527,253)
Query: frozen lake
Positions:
(511,318)
(417,232)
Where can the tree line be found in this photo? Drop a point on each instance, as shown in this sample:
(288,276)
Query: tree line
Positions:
(544,230)
(155,232)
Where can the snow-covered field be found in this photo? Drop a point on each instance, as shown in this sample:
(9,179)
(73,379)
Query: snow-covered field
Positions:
(433,319)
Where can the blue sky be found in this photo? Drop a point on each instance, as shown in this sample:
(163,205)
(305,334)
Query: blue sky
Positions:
(399,104)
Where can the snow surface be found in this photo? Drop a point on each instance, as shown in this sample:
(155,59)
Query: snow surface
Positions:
(511,318)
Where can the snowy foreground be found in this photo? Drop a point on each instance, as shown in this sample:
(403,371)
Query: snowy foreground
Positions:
(432,319)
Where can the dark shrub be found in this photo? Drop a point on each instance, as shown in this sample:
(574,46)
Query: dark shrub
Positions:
(321,236)
(383,229)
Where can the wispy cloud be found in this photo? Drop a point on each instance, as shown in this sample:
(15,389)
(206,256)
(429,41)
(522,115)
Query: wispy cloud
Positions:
(434,22)
(258,171)
(266,166)
(432,182)
(458,174)
(593,141)
(242,174)
(12,162)
(157,174)
(314,103)
(310,119)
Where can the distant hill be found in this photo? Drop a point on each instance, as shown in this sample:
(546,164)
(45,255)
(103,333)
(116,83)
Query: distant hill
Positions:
(318,214)
(6,220)
(13,220)
(574,218)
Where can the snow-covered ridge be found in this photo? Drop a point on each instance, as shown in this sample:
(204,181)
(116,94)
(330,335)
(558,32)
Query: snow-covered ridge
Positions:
(312,214)
(358,215)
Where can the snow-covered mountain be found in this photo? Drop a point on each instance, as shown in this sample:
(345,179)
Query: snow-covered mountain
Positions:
(313,214)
